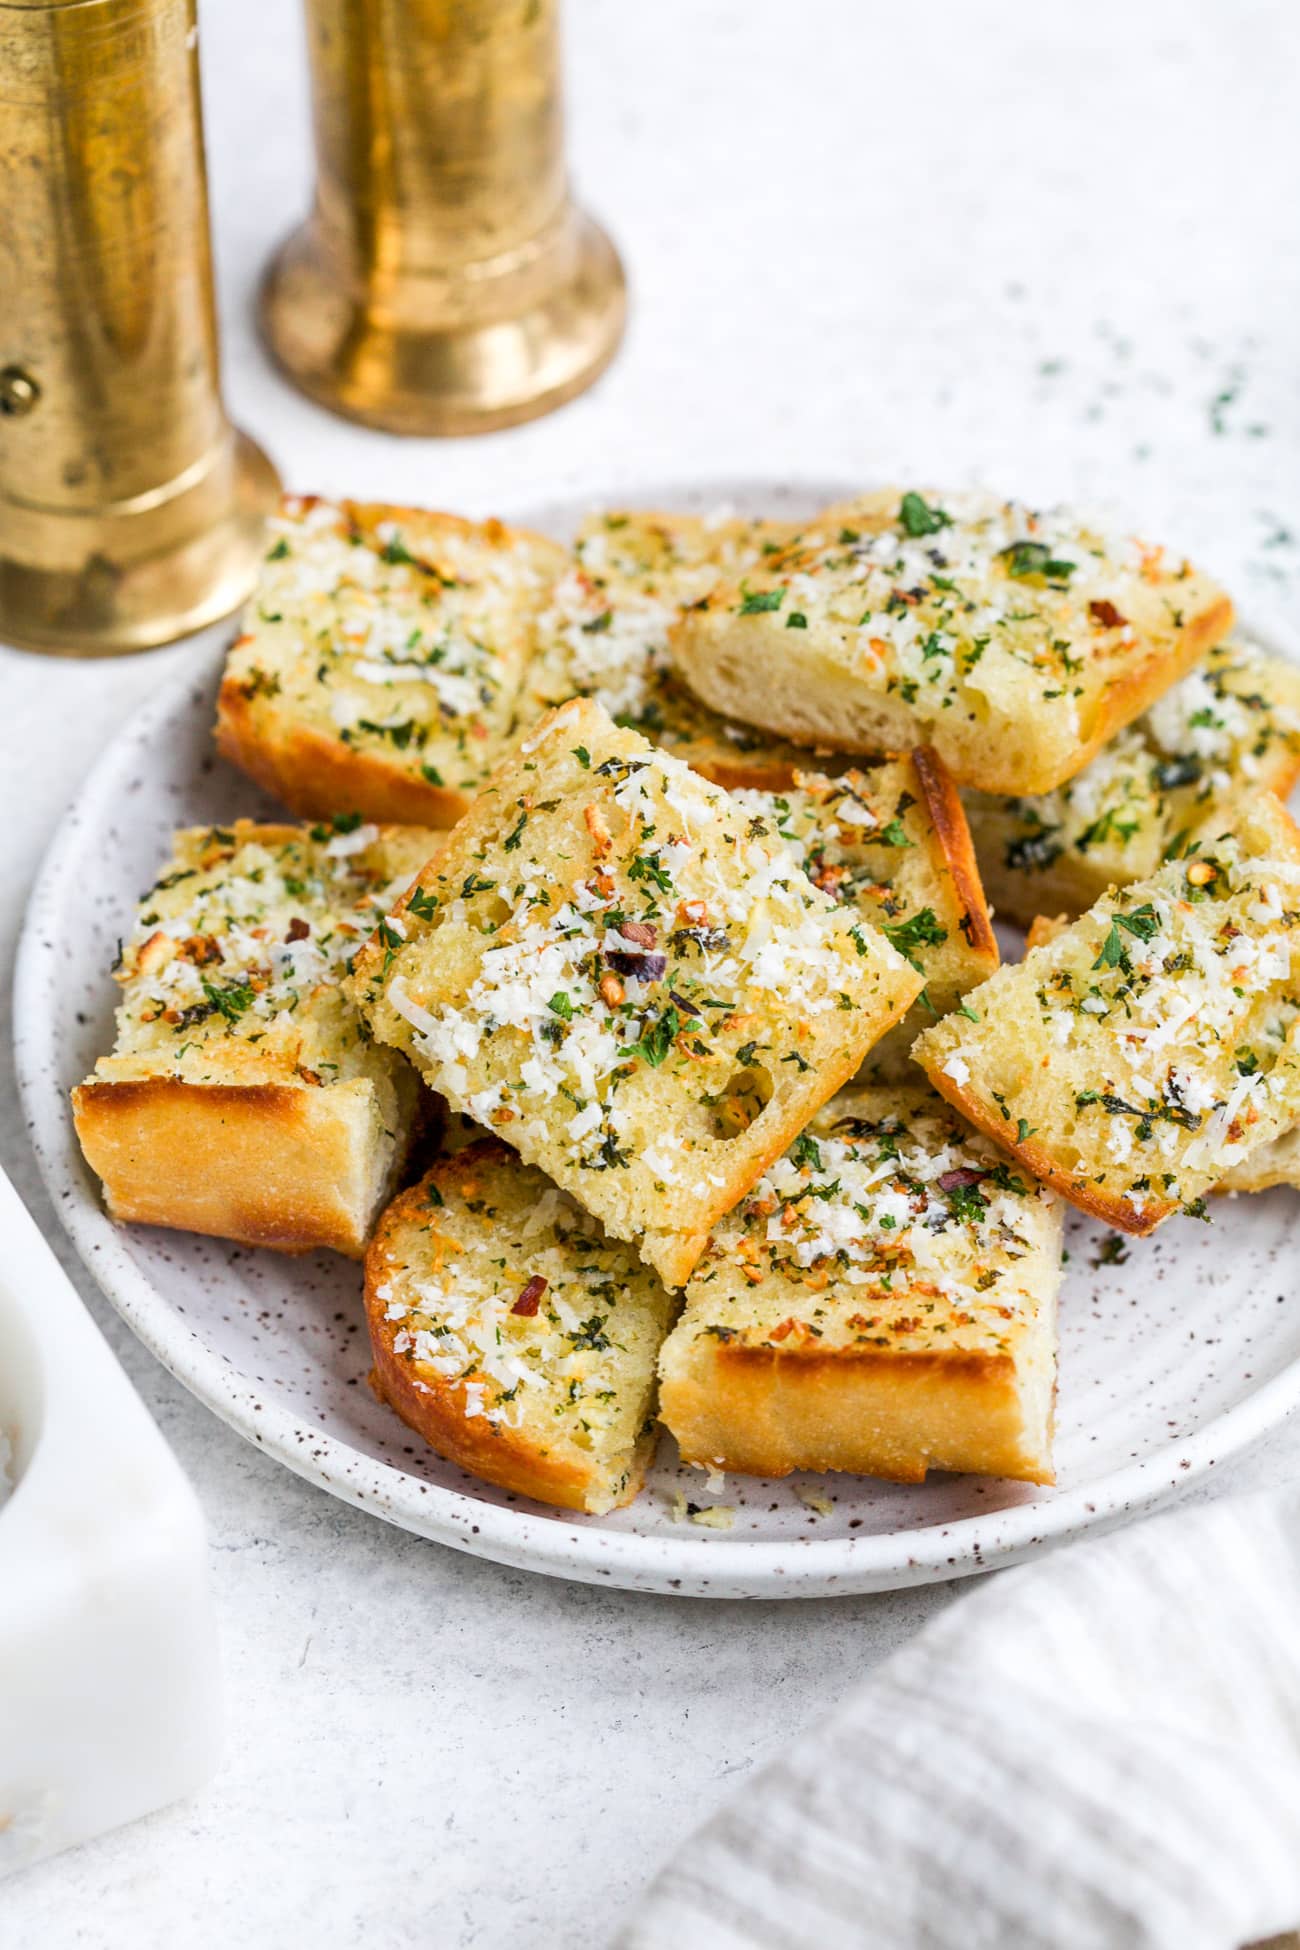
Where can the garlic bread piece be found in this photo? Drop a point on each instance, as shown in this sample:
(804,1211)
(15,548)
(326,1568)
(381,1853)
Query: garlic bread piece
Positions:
(891,842)
(604,634)
(883,1301)
(244,1096)
(629,980)
(1235,721)
(381,655)
(1148,1049)
(513,1335)
(1273,1164)
(1016,642)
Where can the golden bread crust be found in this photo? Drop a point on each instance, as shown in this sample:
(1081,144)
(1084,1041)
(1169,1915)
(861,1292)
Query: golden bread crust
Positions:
(278,1165)
(760,1412)
(314,775)
(1129,696)
(494,1455)
(956,852)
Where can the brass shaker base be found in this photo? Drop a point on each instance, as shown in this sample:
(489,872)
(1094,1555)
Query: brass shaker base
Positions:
(512,343)
(141,573)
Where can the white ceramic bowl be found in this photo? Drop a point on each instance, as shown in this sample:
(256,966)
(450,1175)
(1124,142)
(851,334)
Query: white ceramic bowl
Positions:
(109,1701)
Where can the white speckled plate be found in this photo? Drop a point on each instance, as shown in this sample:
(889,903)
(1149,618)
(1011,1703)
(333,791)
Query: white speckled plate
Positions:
(1170,1360)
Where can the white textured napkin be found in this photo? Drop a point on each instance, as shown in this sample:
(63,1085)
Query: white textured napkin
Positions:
(1100,1751)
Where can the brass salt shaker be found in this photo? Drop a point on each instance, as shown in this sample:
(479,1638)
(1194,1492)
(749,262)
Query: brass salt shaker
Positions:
(444,282)
(130,509)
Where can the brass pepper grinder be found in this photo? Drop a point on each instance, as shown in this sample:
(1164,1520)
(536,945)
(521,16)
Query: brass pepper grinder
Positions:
(444,281)
(130,509)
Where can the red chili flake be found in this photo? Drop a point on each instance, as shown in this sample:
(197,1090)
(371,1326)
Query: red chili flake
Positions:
(530,1299)
(639,931)
(298,929)
(1105,614)
(959,1180)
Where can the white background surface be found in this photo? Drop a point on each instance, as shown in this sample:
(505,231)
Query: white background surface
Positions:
(1054,249)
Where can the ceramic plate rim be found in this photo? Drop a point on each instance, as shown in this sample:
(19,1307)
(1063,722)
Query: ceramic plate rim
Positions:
(695,1563)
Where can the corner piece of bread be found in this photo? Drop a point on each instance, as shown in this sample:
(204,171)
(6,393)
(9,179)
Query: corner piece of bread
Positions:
(1273,1164)
(1142,1053)
(1234,722)
(604,635)
(1014,641)
(244,1097)
(643,996)
(513,1335)
(891,842)
(1277,1163)
(381,657)
(882,1302)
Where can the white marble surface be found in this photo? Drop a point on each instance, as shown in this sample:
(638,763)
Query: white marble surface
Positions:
(1051,248)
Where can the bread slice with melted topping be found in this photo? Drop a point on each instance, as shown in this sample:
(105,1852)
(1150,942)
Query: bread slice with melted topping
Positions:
(891,842)
(381,656)
(1234,722)
(1273,1164)
(1138,1056)
(513,1334)
(644,997)
(883,1301)
(604,634)
(244,1096)
(1016,642)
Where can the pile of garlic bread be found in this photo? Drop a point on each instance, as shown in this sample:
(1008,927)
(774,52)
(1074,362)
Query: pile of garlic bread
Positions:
(630,998)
